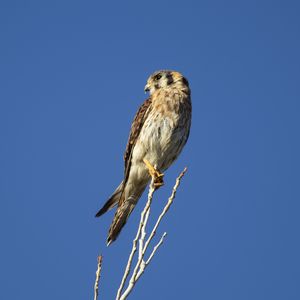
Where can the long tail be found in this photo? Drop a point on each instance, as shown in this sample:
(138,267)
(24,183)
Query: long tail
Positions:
(120,218)
(112,201)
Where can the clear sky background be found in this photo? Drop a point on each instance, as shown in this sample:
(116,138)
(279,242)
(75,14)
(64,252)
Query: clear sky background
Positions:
(72,75)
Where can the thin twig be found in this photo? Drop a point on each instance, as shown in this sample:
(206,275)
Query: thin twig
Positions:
(143,246)
(144,264)
(155,248)
(98,272)
(134,244)
(166,208)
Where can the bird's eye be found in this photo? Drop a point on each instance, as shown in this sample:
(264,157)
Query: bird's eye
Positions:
(157,77)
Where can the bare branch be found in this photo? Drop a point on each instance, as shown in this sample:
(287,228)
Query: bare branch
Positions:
(141,236)
(144,216)
(145,264)
(166,208)
(155,248)
(98,272)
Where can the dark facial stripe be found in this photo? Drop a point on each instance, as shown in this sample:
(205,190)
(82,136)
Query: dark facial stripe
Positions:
(169,78)
(184,81)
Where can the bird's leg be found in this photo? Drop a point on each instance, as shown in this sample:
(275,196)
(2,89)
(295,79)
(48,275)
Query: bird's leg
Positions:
(158,177)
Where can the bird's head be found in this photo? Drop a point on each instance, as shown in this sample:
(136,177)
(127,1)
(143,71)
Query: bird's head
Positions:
(165,79)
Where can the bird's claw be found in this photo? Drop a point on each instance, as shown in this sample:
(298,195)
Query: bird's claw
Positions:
(158,177)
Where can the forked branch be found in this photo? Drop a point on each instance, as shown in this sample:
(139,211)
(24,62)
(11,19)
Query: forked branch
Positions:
(142,244)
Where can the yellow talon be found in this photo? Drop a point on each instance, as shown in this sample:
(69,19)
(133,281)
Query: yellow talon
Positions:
(158,177)
(151,169)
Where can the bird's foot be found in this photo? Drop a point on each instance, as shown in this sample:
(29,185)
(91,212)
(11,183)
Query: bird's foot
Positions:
(158,177)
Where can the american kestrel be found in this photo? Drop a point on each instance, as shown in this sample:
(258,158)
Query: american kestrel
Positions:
(158,133)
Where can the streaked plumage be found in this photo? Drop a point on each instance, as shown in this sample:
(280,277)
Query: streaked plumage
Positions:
(158,133)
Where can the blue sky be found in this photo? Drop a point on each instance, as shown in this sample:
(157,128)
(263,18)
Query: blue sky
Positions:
(72,76)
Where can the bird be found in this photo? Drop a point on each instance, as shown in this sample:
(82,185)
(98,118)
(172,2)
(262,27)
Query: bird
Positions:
(159,131)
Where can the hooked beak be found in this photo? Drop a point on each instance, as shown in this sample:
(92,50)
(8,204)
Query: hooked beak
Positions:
(147,88)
